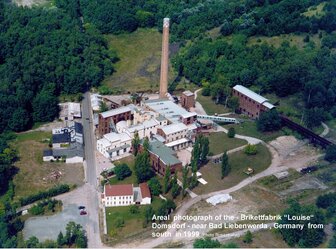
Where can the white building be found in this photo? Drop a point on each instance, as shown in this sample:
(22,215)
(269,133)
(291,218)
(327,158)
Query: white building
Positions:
(126,195)
(70,110)
(176,135)
(114,145)
(96,100)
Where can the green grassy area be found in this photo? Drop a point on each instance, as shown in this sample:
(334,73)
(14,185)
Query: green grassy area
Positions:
(129,180)
(35,173)
(139,66)
(209,105)
(296,40)
(249,128)
(316,11)
(239,162)
(38,136)
(133,223)
(220,142)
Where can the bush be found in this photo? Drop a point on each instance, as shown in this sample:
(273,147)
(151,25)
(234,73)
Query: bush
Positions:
(120,222)
(330,155)
(231,132)
(251,149)
(248,238)
(36,210)
(45,194)
(122,171)
(326,200)
(134,209)
(155,186)
(269,121)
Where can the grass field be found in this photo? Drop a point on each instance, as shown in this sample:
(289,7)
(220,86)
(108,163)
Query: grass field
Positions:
(209,105)
(249,128)
(316,11)
(220,142)
(35,173)
(239,162)
(133,223)
(139,66)
(129,180)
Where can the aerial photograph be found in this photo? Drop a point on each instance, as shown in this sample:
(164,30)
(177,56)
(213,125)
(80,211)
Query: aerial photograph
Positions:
(167,124)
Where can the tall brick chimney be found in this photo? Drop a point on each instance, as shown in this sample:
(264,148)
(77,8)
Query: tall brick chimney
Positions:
(164,59)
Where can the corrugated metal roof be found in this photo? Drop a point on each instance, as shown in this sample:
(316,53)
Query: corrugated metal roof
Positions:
(247,92)
(268,105)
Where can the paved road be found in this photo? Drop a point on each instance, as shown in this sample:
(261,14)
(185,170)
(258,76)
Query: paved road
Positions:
(92,228)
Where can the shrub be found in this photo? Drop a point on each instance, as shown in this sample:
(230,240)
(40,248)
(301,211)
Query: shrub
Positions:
(330,155)
(231,132)
(269,121)
(155,186)
(134,209)
(122,171)
(251,149)
(60,189)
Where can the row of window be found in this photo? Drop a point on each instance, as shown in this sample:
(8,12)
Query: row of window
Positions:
(118,203)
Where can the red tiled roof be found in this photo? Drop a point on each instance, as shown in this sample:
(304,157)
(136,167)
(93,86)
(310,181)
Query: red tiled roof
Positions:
(144,190)
(118,190)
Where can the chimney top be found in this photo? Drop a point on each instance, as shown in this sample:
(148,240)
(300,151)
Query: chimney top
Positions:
(166,22)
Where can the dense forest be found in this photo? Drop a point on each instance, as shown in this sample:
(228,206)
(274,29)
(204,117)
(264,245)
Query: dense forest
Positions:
(43,53)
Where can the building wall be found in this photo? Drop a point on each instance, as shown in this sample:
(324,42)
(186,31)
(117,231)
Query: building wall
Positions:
(104,149)
(247,105)
(115,201)
(146,201)
(190,120)
(187,101)
(104,123)
(172,136)
(160,167)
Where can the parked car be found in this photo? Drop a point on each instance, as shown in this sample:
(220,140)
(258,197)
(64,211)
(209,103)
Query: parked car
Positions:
(308,169)
(81,207)
(83,212)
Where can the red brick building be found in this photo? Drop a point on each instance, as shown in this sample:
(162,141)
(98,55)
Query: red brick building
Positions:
(161,156)
(112,117)
(251,103)
(188,99)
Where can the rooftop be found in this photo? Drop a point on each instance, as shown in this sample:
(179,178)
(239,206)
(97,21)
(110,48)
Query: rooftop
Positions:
(117,111)
(61,138)
(188,93)
(114,137)
(74,150)
(165,153)
(173,128)
(167,108)
(252,95)
(78,128)
(144,190)
(118,190)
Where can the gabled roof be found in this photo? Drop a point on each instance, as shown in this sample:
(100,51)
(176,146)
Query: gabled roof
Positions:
(78,128)
(144,190)
(166,154)
(117,111)
(252,95)
(47,153)
(118,190)
(61,138)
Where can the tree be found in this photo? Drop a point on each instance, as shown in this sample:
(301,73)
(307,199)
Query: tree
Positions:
(204,144)
(155,186)
(306,237)
(60,239)
(231,133)
(122,171)
(143,169)
(166,180)
(32,242)
(75,235)
(330,155)
(175,187)
(233,103)
(269,121)
(226,28)
(206,242)
(225,165)
(332,242)
(135,143)
(103,107)
(185,172)
(20,120)
(251,149)
(134,209)
(45,106)
(149,212)
(248,237)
